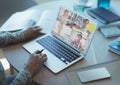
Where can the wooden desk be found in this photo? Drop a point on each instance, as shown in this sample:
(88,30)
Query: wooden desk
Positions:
(98,52)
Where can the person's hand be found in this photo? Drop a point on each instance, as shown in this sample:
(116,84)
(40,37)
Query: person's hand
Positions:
(32,32)
(35,62)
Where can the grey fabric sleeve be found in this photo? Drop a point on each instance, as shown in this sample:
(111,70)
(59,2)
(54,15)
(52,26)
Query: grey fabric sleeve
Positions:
(23,78)
(11,38)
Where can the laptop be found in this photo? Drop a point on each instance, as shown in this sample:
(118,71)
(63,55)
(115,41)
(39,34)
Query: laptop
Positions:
(68,41)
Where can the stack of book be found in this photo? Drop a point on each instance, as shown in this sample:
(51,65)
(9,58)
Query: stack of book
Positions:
(114,46)
(110,31)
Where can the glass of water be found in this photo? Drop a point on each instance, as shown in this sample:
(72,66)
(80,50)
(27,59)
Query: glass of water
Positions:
(104,3)
(79,5)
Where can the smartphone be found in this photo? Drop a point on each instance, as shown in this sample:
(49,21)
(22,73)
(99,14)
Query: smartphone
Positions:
(93,74)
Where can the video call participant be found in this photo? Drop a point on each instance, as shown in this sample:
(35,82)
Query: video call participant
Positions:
(62,19)
(77,42)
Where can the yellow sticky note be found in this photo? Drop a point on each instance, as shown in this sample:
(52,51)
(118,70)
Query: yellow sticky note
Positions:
(91,26)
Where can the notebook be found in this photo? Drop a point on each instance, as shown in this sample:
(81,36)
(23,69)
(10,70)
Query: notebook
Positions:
(114,46)
(103,15)
(113,31)
(68,41)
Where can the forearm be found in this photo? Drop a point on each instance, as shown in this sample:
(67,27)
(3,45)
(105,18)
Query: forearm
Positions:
(23,78)
(10,38)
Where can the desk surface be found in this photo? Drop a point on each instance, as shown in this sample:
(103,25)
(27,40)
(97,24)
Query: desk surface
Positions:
(112,68)
(98,52)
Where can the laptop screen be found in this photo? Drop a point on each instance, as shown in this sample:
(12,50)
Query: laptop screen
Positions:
(74,29)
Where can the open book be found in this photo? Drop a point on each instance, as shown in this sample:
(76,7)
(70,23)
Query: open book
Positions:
(21,20)
(25,19)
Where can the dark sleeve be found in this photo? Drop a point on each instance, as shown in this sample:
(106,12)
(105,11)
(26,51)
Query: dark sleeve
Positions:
(2,75)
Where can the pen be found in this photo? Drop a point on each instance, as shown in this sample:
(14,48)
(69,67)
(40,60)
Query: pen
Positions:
(41,51)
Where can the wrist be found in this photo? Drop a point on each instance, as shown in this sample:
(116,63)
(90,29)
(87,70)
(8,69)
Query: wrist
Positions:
(29,70)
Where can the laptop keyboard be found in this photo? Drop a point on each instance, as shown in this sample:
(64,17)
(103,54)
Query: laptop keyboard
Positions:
(61,50)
